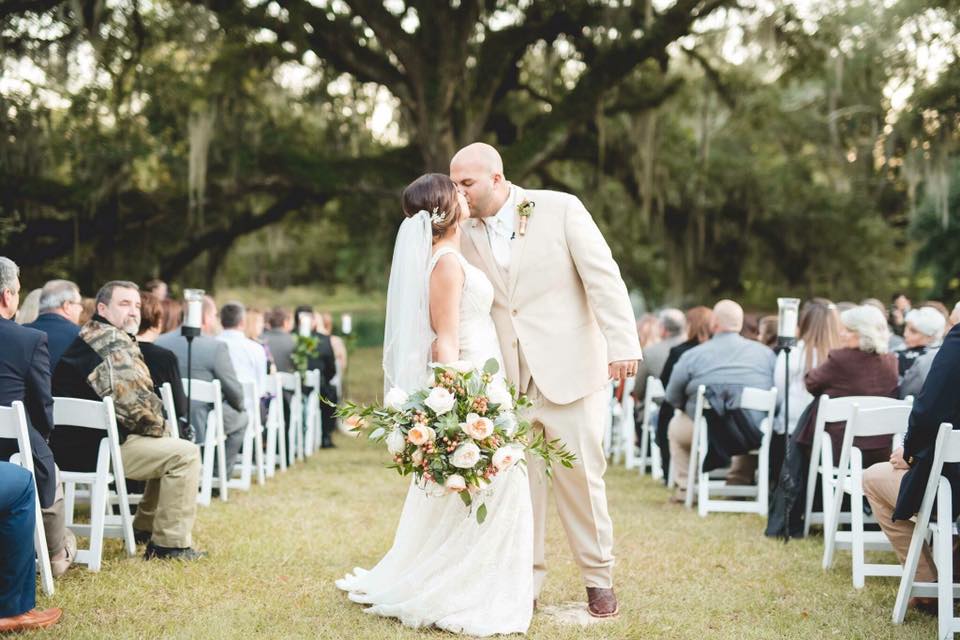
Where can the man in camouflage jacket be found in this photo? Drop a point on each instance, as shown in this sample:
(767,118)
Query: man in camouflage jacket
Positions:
(105,360)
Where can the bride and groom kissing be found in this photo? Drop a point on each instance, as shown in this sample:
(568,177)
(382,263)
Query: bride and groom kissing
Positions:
(485,269)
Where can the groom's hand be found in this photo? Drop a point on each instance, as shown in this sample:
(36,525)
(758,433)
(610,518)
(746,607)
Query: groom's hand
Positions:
(622,369)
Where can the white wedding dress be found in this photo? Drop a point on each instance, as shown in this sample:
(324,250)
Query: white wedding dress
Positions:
(444,569)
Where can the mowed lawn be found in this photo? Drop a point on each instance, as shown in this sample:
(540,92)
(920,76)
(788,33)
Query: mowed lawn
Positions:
(276,551)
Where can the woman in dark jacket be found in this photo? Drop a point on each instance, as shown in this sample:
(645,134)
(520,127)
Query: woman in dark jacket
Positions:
(860,367)
(698,332)
(162,363)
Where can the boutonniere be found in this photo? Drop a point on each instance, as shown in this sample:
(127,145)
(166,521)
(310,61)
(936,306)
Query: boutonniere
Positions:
(524,209)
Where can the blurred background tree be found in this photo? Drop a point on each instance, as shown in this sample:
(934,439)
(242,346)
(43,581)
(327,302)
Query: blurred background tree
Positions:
(725,148)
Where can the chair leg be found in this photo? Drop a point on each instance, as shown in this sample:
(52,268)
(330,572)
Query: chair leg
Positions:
(221,450)
(258,454)
(944,555)
(206,475)
(43,556)
(98,515)
(856,531)
(69,501)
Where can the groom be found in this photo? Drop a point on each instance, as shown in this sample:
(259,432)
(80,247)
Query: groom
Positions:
(566,327)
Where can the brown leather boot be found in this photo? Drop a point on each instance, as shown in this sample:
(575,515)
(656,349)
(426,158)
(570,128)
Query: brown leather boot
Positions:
(33,619)
(602,603)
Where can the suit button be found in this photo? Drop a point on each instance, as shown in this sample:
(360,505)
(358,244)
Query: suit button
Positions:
(514,312)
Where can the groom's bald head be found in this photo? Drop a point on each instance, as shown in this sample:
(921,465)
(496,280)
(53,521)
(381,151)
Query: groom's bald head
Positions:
(477,170)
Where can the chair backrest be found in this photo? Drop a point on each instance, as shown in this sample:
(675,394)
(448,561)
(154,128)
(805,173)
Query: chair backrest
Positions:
(203,391)
(759,399)
(312,379)
(879,421)
(290,382)
(13,425)
(90,414)
(169,408)
(946,449)
(838,409)
(251,399)
(654,390)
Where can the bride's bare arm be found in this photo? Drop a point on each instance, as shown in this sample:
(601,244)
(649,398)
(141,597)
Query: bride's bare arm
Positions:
(446,288)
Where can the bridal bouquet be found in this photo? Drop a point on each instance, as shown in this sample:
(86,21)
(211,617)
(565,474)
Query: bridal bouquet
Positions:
(458,434)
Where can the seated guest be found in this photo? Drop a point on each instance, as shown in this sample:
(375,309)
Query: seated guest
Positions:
(726,360)
(278,338)
(699,321)
(105,360)
(648,330)
(954,319)
(157,288)
(818,332)
(248,357)
(767,331)
(860,367)
(60,309)
(18,573)
(895,488)
(25,377)
(673,331)
(89,308)
(924,328)
(161,362)
(211,361)
(172,315)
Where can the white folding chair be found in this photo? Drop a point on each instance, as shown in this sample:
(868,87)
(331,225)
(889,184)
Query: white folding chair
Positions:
(764,400)
(276,443)
(821,453)
(312,410)
(649,451)
(169,408)
(214,440)
(890,420)
(251,453)
(13,425)
(97,416)
(942,530)
(291,382)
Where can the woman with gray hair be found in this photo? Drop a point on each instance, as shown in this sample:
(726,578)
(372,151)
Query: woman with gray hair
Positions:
(860,367)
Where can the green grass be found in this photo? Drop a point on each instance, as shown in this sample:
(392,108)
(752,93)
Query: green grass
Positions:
(275,552)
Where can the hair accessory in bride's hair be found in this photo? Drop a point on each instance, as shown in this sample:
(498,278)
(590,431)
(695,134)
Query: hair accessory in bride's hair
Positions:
(438,217)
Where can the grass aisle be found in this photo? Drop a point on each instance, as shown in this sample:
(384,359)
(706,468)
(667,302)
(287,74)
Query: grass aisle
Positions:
(275,552)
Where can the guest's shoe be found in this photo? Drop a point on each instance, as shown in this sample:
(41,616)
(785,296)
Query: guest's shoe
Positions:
(33,619)
(927,606)
(327,443)
(141,537)
(59,565)
(172,553)
(602,603)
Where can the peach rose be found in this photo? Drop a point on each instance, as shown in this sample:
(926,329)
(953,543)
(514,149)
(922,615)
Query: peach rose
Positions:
(421,435)
(506,457)
(477,427)
(455,483)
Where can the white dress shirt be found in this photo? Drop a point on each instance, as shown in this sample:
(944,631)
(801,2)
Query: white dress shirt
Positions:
(248,357)
(500,230)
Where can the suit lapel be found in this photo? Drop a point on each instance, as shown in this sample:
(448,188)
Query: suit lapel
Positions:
(519,243)
(478,235)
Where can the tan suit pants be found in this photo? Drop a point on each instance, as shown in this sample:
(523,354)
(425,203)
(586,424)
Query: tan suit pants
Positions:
(580,492)
(171,469)
(680,433)
(881,485)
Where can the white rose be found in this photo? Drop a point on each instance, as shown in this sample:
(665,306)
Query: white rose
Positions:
(440,400)
(455,483)
(477,427)
(395,398)
(466,456)
(498,393)
(417,457)
(421,435)
(508,422)
(506,457)
(396,443)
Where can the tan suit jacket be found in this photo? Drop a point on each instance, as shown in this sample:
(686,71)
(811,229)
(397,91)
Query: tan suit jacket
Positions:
(562,312)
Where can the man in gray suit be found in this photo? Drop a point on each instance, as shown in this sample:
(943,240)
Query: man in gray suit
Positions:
(279,339)
(211,361)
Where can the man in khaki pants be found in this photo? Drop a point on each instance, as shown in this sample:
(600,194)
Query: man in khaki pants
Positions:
(566,327)
(103,361)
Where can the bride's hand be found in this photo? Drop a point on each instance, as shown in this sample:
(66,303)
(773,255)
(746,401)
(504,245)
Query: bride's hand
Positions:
(622,369)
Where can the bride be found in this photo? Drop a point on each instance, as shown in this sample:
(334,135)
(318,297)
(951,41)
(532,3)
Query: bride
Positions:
(444,569)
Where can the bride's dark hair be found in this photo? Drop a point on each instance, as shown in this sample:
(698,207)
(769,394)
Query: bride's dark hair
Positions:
(433,192)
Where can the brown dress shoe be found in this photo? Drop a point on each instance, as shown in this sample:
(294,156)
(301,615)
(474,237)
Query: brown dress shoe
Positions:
(33,619)
(602,603)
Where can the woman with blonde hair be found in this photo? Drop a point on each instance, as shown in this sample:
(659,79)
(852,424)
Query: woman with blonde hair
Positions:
(817,334)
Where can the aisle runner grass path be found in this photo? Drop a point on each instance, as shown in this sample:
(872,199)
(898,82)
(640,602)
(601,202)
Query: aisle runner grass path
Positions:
(275,552)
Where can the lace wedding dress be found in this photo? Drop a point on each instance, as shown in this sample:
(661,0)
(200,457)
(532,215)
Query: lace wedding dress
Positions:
(444,568)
